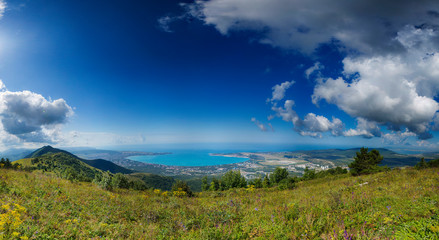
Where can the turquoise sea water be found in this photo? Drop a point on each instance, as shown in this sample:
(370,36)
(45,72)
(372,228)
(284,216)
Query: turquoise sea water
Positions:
(188,158)
(198,154)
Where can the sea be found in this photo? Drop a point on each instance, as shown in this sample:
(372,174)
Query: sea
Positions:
(188,158)
(199,155)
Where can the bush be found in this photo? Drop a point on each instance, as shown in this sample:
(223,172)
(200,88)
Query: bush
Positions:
(120,181)
(309,174)
(106,181)
(179,187)
(287,183)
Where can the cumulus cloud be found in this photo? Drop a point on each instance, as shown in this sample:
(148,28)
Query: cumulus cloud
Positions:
(365,128)
(312,125)
(279,91)
(393,91)
(30,117)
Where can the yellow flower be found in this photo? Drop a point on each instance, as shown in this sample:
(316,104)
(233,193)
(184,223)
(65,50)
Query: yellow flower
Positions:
(157,191)
(24,238)
(68,221)
(387,220)
(75,220)
(15,234)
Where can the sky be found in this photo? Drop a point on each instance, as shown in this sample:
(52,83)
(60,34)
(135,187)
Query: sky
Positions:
(293,72)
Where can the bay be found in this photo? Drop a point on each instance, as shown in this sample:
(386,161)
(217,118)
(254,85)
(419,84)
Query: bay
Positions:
(189,158)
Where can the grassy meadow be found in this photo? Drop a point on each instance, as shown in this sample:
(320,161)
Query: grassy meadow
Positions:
(401,204)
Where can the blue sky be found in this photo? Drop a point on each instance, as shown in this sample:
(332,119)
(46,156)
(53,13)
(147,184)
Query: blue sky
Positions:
(107,73)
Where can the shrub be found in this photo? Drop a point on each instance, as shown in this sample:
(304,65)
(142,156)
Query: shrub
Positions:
(179,187)
(106,181)
(287,183)
(120,181)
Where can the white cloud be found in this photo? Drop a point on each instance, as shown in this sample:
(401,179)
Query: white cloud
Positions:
(30,117)
(398,137)
(279,91)
(315,68)
(388,91)
(2,7)
(259,124)
(365,128)
(312,125)
(164,23)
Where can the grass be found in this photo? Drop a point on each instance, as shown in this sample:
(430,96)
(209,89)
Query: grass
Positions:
(402,204)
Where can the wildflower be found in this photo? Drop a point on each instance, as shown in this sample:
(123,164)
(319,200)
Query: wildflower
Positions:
(24,238)
(68,221)
(157,191)
(256,209)
(15,234)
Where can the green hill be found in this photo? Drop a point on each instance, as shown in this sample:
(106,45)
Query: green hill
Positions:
(63,164)
(100,164)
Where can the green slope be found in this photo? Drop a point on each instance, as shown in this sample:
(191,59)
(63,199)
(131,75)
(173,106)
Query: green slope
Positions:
(101,164)
(399,204)
(105,165)
(62,164)
(155,181)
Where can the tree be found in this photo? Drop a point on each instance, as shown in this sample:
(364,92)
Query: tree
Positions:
(278,175)
(365,162)
(421,164)
(233,179)
(204,184)
(266,183)
(214,185)
(258,183)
